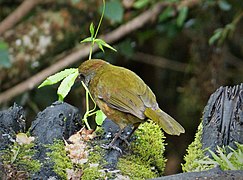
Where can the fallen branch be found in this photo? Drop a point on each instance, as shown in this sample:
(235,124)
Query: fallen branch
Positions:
(17,15)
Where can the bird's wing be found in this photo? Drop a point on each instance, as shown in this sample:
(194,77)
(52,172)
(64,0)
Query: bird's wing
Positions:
(123,91)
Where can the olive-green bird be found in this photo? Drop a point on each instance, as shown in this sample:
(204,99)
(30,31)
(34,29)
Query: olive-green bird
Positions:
(124,97)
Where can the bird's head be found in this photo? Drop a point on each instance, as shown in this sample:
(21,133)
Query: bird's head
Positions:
(89,68)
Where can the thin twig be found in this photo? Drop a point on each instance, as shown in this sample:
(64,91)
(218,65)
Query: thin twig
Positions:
(17,15)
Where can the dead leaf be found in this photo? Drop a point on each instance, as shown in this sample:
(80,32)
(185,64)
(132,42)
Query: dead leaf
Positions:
(22,138)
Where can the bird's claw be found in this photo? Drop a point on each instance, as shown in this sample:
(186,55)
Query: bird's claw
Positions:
(125,140)
(110,146)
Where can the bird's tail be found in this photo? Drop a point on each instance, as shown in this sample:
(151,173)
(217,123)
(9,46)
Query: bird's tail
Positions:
(165,121)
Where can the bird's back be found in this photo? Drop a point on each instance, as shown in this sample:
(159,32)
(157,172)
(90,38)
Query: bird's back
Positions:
(124,90)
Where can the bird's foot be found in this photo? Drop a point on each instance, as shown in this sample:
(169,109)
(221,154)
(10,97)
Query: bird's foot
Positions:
(124,139)
(111,146)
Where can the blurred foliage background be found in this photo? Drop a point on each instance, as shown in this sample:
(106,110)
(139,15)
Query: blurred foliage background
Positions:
(184,54)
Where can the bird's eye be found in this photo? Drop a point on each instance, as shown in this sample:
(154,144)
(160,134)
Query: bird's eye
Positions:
(82,77)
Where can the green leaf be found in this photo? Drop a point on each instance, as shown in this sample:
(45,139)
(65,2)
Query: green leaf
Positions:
(182,16)
(114,11)
(100,117)
(224,159)
(140,4)
(108,46)
(167,13)
(101,47)
(58,77)
(66,85)
(4,55)
(216,158)
(91,30)
(217,34)
(88,39)
(103,43)
(224,5)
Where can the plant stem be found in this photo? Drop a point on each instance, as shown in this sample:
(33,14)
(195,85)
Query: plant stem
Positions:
(97,30)
(101,18)
(88,112)
(90,51)
(91,112)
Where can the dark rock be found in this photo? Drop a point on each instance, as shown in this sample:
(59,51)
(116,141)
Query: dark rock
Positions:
(12,121)
(58,121)
(46,171)
(223,118)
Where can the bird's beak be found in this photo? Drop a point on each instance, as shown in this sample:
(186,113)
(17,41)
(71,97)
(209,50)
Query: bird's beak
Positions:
(78,79)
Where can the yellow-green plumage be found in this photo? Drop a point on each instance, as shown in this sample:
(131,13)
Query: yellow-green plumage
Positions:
(124,97)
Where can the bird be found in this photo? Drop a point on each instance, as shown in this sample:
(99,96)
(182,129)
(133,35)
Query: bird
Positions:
(124,97)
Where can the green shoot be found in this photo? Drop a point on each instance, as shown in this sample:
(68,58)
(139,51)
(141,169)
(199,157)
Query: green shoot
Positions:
(93,34)
(100,116)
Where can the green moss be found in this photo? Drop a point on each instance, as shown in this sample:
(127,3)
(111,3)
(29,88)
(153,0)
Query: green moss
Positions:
(95,156)
(59,157)
(90,169)
(92,173)
(148,149)
(25,159)
(135,168)
(195,153)
(21,157)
